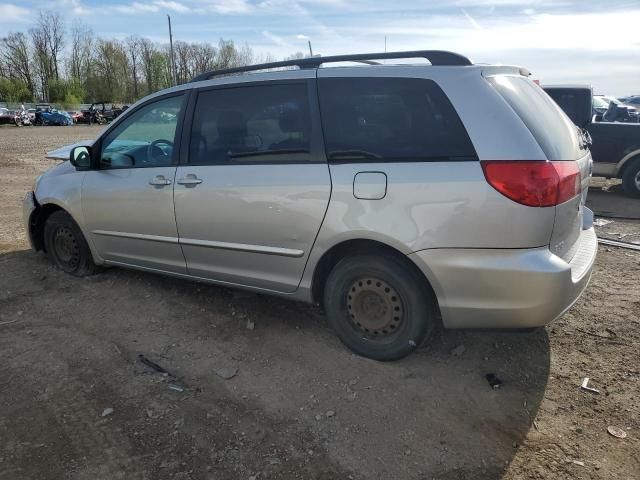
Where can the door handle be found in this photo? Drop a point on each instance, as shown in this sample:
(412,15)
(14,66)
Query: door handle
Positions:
(189,180)
(160,181)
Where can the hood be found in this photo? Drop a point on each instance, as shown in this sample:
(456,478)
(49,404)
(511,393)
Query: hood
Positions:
(60,169)
(63,153)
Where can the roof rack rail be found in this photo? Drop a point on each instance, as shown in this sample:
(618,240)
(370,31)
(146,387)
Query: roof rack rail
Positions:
(435,57)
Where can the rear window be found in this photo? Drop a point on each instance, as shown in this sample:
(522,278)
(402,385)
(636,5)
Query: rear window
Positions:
(390,119)
(553,130)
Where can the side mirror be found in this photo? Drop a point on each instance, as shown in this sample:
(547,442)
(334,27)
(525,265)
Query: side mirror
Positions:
(80,157)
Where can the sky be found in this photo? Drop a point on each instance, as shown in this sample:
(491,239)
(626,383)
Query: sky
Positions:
(593,42)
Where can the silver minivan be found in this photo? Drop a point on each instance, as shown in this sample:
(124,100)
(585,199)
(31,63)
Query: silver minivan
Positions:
(398,197)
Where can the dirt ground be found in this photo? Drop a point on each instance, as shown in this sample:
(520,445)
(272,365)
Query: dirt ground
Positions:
(300,405)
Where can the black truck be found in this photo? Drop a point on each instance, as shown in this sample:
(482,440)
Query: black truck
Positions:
(616,143)
(100,112)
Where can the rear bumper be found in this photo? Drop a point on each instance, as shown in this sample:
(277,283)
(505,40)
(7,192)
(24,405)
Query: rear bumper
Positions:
(506,288)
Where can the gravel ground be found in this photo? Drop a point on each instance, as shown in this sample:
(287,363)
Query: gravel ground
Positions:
(299,405)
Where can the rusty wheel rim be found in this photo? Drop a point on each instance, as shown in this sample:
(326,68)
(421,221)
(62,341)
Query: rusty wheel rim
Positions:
(374,307)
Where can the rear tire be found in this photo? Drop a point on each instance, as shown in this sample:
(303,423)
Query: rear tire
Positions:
(66,246)
(378,306)
(631,179)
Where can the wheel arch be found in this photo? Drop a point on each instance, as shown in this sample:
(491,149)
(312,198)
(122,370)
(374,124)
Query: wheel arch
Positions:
(349,247)
(626,161)
(37,221)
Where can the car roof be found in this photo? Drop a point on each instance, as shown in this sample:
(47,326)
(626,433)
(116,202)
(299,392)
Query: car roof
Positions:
(254,73)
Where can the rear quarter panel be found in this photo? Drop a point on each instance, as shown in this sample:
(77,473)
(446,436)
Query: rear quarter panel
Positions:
(431,205)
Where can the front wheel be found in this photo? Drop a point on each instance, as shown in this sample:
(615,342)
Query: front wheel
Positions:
(378,306)
(631,179)
(66,246)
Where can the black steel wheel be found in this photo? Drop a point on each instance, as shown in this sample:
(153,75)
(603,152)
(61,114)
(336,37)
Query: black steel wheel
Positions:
(379,306)
(66,246)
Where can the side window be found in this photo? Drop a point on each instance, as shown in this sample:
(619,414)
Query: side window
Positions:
(144,139)
(390,119)
(250,124)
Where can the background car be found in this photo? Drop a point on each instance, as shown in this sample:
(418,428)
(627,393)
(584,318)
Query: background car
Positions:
(615,146)
(6,116)
(75,115)
(633,100)
(47,115)
(106,109)
(625,111)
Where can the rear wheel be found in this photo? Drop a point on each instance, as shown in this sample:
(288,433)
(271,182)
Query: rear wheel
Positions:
(631,178)
(378,306)
(66,246)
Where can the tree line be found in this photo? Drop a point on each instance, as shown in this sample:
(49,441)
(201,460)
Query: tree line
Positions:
(53,63)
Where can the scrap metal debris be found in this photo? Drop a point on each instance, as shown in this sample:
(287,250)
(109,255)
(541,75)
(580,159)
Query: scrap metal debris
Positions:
(585,386)
(616,243)
(601,222)
(493,380)
(227,372)
(616,432)
(151,364)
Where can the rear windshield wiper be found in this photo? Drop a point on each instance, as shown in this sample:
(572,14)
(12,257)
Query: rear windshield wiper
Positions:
(268,152)
(349,154)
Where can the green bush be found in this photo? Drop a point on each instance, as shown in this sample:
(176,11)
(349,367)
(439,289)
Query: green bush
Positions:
(14,91)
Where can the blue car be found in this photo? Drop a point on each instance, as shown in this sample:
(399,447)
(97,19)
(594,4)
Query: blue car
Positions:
(46,115)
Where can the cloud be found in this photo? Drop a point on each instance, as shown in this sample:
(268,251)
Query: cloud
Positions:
(137,7)
(302,37)
(13,13)
(227,6)
(173,6)
(76,6)
(277,39)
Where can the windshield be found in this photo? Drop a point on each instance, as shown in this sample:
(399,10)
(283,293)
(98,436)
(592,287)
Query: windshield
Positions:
(599,102)
(608,100)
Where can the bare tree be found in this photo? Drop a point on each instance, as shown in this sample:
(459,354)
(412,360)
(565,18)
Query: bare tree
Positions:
(15,54)
(110,69)
(204,57)
(184,61)
(80,54)
(134,53)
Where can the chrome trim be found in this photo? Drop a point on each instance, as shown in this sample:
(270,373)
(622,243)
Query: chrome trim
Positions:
(136,236)
(284,252)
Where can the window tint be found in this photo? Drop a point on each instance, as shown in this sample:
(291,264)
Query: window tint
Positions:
(390,118)
(255,123)
(144,139)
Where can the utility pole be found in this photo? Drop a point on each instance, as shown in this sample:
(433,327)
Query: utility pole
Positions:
(310,50)
(174,79)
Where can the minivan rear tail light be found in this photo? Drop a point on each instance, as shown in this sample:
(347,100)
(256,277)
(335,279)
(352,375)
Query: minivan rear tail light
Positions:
(535,183)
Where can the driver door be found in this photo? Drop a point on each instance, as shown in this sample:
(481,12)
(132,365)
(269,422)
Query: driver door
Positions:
(127,202)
